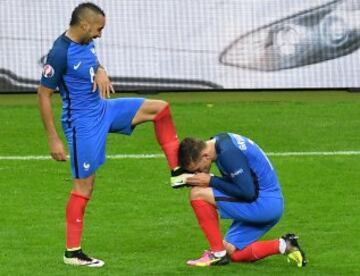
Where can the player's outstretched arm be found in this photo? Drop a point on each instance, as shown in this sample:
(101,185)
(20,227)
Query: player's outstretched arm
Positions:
(56,146)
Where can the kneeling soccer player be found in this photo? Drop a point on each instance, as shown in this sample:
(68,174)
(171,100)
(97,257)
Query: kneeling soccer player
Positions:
(247,192)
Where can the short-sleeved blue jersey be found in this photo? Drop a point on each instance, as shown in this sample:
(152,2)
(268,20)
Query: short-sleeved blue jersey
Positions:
(246,171)
(71,67)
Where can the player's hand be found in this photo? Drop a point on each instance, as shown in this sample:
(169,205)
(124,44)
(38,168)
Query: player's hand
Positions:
(199,179)
(102,81)
(57,149)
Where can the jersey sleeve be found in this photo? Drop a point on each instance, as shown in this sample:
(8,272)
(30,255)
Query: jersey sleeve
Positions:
(241,182)
(54,68)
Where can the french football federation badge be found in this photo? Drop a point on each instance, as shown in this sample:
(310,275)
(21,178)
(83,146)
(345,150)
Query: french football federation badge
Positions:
(48,71)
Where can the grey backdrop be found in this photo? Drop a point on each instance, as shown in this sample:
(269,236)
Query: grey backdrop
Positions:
(194,44)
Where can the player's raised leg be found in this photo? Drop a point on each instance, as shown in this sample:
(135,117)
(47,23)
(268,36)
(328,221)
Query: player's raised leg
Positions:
(75,211)
(159,112)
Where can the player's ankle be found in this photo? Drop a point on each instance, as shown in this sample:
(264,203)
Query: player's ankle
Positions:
(289,247)
(73,248)
(282,246)
(219,254)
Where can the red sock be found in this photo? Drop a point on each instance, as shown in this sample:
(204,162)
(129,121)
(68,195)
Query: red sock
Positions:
(209,222)
(256,251)
(74,219)
(166,136)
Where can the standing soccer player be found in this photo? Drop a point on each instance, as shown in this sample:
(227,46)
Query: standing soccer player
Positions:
(247,192)
(88,117)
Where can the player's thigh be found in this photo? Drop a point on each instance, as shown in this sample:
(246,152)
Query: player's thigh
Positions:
(262,210)
(121,112)
(87,151)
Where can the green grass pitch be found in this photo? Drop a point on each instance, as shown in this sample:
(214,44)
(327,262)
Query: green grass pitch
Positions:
(140,226)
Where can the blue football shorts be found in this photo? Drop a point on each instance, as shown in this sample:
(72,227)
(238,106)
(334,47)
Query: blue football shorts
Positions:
(87,144)
(250,220)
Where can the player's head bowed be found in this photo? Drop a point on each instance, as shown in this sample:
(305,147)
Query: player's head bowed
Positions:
(194,156)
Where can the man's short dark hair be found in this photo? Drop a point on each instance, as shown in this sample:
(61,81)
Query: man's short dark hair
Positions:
(190,151)
(79,11)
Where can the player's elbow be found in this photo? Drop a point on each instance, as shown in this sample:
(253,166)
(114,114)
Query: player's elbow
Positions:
(247,193)
(44,91)
(251,197)
(248,196)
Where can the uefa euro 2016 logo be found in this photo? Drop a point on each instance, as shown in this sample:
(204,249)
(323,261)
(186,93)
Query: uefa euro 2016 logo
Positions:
(48,71)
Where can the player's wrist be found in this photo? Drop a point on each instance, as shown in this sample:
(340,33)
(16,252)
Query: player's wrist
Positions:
(211,180)
(52,137)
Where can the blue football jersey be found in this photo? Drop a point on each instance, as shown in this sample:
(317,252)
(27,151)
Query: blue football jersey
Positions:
(71,68)
(246,170)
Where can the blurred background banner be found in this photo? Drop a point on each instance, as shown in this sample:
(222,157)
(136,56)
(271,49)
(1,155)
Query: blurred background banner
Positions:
(194,44)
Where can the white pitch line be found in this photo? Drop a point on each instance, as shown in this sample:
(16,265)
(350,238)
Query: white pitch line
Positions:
(314,153)
(159,155)
(135,156)
(111,156)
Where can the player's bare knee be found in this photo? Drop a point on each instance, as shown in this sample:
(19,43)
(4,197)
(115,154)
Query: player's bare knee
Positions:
(162,105)
(157,106)
(154,105)
(202,193)
(148,111)
(84,187)
(197,193)
(83,192)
